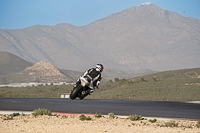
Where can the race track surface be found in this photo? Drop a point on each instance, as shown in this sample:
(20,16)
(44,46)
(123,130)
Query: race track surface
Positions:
(164,109)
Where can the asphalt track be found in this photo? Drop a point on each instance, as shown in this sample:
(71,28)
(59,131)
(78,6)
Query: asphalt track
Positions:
(164,109)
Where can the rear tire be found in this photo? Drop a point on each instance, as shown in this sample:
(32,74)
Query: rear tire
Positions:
(75,92)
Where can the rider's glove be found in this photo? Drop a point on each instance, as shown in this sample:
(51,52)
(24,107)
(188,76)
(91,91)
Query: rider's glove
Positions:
(78,81)
(97,84)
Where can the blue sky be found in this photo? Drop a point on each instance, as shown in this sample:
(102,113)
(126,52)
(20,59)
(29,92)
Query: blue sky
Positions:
(18,14)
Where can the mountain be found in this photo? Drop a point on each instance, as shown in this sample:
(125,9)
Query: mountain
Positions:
(142,37)
(16,70)
(10,63)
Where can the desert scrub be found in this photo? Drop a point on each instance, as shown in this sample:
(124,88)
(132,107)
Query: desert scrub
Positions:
(98,115)
(152,121)
(198,124)
(135,117)
(133,124)
(10,117)
(171,124)
(23,114)
(112,115)
(64,116)
(83,117)
(57,115)
(15,114)
(43,111)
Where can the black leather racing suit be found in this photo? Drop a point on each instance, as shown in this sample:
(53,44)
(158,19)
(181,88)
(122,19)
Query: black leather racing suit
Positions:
(93,75)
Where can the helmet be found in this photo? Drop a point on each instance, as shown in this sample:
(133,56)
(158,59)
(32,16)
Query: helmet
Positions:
(100,67)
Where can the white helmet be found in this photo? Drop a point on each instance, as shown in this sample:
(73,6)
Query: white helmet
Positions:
(100,67)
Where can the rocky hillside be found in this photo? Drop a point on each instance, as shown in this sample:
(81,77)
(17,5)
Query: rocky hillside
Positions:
(41,72)
(142,37)
(45,72)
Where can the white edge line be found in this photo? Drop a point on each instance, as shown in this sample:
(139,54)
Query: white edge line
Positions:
(11,112)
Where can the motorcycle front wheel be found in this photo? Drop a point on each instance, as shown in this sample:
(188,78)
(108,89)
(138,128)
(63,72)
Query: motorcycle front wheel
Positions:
(75,92)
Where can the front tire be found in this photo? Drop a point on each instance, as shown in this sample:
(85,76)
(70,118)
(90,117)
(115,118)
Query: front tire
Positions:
(75,92)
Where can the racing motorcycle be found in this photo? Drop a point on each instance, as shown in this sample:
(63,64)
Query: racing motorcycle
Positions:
(81,89)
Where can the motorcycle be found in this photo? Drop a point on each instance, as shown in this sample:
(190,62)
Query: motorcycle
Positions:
(81,89)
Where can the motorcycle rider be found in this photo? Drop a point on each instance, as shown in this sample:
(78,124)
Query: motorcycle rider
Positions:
(93,76)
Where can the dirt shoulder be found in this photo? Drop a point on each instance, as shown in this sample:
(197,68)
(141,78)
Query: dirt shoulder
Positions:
(72,124)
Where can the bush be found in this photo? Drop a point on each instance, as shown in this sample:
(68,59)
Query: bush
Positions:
(42,112)
(116,79)
(23,114)
(171,124)
(98,115)
(110,81)
(143,80)
(10,117)
(152,121)
(112,115)
(135,117)
(15,114)
(198,124)
(123,80)
(83,117)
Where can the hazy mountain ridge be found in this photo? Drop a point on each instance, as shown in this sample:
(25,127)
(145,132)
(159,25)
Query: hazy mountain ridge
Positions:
(148,37)
(142,37)
(10,63)
(13,69)
(16,70)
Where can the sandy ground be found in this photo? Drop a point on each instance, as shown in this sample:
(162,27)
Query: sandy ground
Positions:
(72,124)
